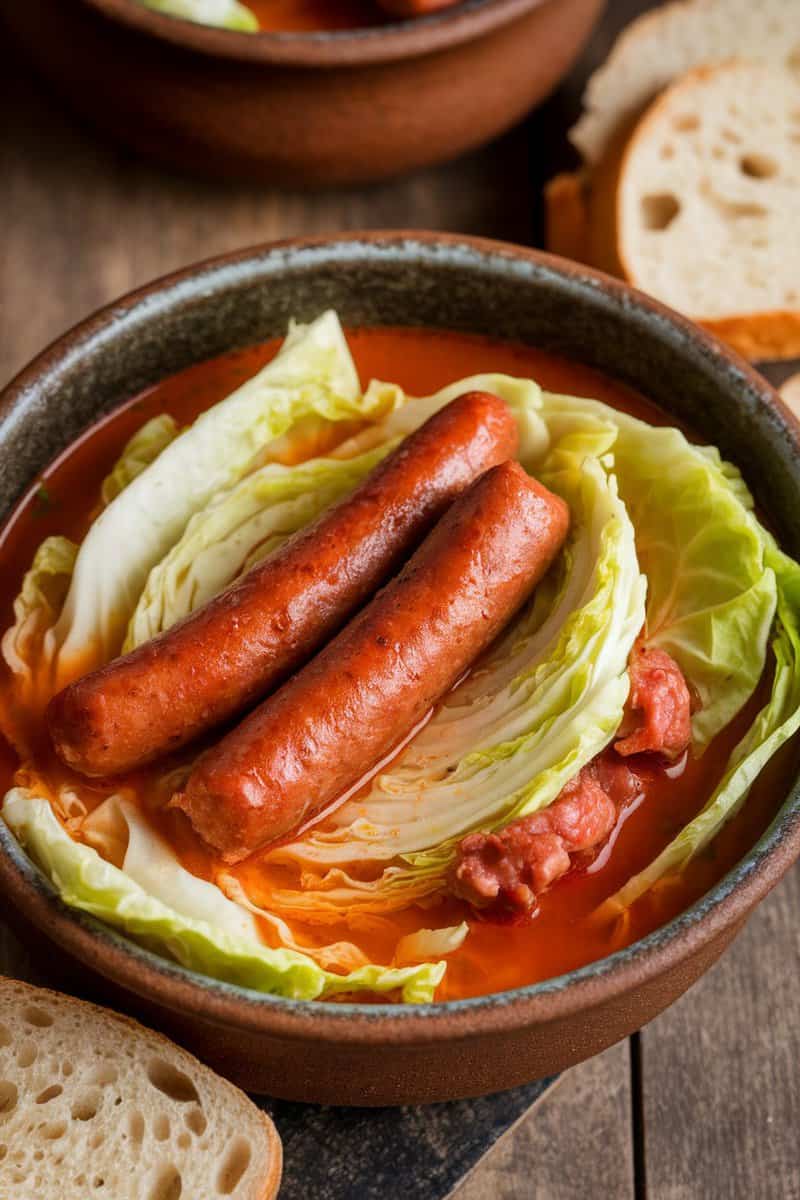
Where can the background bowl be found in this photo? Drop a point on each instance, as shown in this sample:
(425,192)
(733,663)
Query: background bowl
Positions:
(379,1054)
(304,109)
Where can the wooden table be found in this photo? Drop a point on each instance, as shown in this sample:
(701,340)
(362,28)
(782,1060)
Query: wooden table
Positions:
(705,1102)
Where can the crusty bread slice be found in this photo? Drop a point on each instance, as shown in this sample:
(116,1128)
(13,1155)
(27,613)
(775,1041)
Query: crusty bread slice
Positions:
(707,204)
(663,44)
(697,204)
(93,1105)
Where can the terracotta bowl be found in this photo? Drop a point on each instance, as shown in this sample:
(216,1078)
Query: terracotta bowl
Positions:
(310,108)
(364,1054)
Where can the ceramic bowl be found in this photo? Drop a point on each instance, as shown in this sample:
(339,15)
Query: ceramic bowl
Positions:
(380,1054)
(303,109)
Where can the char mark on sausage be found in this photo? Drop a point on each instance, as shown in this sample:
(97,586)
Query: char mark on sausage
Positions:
(225,657)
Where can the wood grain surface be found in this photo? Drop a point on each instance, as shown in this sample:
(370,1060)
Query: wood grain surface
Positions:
(706,1102)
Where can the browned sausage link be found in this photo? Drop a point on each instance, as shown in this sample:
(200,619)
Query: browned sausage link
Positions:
(231,653)
(342,713)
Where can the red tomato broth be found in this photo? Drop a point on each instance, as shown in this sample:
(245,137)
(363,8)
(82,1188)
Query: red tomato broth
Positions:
(565,934)
(313,16)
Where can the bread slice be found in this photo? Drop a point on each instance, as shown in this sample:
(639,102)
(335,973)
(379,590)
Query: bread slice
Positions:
(663,44)
(93,1106)
(707,203)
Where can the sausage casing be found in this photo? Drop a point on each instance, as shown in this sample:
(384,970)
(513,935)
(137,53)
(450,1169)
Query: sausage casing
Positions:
(225,657)
(322,731)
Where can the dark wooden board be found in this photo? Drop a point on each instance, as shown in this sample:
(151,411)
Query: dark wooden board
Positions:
(417,1153)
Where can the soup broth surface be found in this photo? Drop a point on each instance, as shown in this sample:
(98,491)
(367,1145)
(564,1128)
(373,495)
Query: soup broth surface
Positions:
(566,932)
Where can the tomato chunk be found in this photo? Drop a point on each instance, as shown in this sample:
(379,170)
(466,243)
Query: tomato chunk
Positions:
(659,710)
(506,871)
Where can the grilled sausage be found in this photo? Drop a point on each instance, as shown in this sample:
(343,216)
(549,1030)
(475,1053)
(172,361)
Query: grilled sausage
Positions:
(226,656)
(339,716)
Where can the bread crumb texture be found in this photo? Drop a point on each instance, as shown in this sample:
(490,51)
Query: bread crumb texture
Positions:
(92,1105)
(709,194)
(665,43)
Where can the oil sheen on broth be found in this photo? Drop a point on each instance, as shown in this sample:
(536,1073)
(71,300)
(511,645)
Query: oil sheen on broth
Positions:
(495,956)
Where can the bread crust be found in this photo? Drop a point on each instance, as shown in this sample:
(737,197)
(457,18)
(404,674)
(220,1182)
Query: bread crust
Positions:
(567,216)
(759,336)
(601,117)
(27,992)
(582,134)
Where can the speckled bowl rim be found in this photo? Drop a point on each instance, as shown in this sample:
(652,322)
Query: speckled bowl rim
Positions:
(326,48)
(724,908)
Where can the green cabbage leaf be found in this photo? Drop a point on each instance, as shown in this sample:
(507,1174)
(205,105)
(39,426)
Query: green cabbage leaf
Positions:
(313,374)
(777,721)
(710,593)
(159,904)
(225,14)
(238,529)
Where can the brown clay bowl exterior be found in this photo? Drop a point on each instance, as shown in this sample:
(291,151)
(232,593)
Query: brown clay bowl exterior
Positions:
(380,1054)
(303,109)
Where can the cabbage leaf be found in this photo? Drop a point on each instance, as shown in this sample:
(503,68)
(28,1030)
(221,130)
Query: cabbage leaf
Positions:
(225,14)
(46,583)
(142,449)
(312,373)
(407,413)
(238,529)
(430,943)
(203,935)
(777,721)
(710,593)
(36,608)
